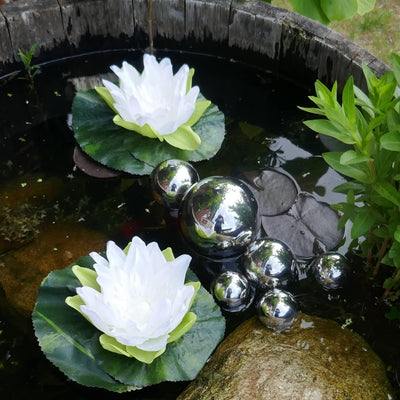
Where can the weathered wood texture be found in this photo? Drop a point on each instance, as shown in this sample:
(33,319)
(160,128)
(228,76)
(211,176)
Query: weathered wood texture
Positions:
(286,42)
(106,18)
(41,23)
(6,50)
(208,19)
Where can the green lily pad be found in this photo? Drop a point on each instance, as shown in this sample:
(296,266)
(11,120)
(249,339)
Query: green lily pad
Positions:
(72,344)
(124,150)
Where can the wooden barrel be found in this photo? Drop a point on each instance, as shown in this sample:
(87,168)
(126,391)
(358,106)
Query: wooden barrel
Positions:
(249,31)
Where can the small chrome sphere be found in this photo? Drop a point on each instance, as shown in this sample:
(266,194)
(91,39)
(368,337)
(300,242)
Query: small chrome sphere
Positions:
(268,263)
(218,217)
(277,309)
(330,270)
(231,291)
(170,180)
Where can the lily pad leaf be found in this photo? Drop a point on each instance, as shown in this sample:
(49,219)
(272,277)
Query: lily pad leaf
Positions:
(124,150)
(274,191)
(62,333)
(72,343)
(308,228)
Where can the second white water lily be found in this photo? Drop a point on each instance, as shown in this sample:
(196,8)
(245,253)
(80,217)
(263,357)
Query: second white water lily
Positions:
(156,103)
(137,298)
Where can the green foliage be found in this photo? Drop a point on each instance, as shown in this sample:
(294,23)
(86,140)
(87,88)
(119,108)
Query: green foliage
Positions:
(71,342)
(326,11)
(370,125)
(30,70)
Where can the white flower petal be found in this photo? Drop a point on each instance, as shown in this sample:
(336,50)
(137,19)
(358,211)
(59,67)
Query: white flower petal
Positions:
(143,297)
(154,344)
(156,97)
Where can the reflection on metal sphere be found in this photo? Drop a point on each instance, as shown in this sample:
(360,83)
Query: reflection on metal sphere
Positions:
(330,270)
(231,291)
(218,217)
(170,180)
(268,263)
(277,309)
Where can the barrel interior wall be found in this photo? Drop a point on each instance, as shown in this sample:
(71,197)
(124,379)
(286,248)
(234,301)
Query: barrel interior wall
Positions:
(254,32)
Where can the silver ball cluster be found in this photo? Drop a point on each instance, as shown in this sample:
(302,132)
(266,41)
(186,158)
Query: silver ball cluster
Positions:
(219,218)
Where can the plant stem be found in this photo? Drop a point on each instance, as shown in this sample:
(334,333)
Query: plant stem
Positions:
(372,169)
(396,278)
(369,254)
(150,21)
(380,256)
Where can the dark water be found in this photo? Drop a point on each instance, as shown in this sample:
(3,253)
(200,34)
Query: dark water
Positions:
(264,129)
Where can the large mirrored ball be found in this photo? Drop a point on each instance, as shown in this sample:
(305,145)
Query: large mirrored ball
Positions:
(277,309)
(170,180)
(231,291)
(269,263)
(330,270)
(218,217)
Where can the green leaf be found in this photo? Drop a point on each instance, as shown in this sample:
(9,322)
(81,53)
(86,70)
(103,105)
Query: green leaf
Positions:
(393,120)
(186,324)
(168,254)
(391,141)
(62,332)
(330,128)
(396,67)
(200,108)
(353,157)
(338,10)
(71,343)
(356,187)
(145,130)
(388,283)
(86,276)
(311,9)
(396,234)
(394,313)
(189,80)
(183,138)
(389,192)
(128,151)
(360,172)
(106,96)
(312,110)
(348,101)
(365,6)
(363,221)
(111,344)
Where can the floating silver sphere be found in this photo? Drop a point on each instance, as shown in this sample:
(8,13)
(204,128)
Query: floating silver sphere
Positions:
(330,270)
(218,217)
(268,263)
(231,291)
(277,309)
(170,180)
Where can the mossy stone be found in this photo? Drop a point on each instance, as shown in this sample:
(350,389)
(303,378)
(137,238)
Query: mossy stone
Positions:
(316,359)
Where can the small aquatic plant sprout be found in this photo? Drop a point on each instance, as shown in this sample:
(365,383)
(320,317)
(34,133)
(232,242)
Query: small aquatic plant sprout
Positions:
(138,299)
(147,118)
(127,319)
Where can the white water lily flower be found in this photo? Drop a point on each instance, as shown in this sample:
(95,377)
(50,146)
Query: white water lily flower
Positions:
(138,299)
(156,103)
